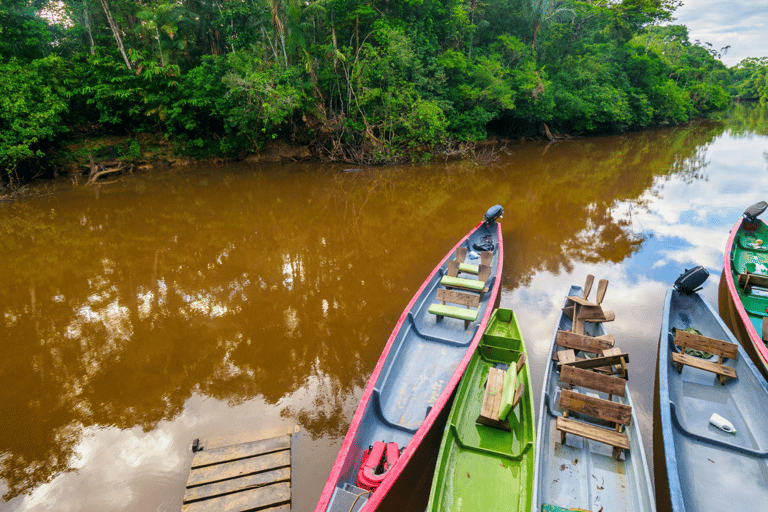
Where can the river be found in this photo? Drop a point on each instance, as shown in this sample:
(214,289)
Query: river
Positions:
(221,300)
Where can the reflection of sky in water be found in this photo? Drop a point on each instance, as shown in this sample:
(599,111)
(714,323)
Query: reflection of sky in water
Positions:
(690,222)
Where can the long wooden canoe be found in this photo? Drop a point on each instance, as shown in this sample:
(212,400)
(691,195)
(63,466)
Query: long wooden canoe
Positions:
(481,466)
(710,470)
(743,290)
(415,377)
(583,474)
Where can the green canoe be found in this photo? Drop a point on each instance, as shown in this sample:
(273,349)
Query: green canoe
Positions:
(480,466)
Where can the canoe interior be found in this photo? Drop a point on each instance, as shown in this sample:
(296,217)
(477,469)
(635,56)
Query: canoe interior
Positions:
(709,469)
(749,253)
(481,467)
(583,473)
(417,366)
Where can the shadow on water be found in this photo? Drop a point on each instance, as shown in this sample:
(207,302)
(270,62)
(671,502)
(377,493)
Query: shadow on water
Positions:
(282,283)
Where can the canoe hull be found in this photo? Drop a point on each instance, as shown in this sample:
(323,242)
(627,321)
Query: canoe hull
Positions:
(707,469)
(415,377)
(582,473)
(745,326)
(480,467)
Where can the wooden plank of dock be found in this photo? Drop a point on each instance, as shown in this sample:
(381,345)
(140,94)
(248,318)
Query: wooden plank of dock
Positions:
(254,475)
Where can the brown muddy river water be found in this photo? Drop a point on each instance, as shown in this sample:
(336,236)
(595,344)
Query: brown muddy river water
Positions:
(219,301)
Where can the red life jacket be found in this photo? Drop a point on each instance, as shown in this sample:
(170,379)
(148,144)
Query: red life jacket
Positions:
(377,461)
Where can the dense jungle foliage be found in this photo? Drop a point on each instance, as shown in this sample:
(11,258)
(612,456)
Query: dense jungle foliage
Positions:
(365,81)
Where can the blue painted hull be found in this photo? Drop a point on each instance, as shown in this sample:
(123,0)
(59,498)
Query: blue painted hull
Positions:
(710,470)
(583,474)
(414,379)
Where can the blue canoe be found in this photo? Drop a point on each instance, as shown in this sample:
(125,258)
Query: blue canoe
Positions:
(710,470)
(583,474)
(417,373)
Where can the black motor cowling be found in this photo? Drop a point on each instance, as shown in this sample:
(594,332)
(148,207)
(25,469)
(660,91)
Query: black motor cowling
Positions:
(755,210)
(691,280)
(493,213)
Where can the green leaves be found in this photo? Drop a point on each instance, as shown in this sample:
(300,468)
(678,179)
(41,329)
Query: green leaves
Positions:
(32,100)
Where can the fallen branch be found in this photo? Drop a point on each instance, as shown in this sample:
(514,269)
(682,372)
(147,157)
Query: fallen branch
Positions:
(103,171)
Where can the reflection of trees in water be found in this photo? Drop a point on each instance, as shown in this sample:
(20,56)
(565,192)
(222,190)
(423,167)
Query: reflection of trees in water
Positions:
(577,203)
(277,284)
(745,119)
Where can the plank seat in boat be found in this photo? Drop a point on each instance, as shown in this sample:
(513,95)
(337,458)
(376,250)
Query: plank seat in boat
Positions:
(581,309)
(468,268)
(720,348)
(613,364)
(451,278)
(465,299)
(617,414)
(502,394)
(747,281)
(583,342)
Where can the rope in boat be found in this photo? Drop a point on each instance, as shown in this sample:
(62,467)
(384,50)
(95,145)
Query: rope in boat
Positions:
(356,497)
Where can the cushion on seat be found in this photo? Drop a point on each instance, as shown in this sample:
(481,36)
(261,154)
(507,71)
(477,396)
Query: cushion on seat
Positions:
(458,282)
(453,312)
(469,268)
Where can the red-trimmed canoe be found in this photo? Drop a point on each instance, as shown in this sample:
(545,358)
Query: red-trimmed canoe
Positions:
(422,362)
(743,291)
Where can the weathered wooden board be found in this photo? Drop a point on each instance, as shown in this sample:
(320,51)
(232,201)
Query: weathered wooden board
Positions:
(276,495)
(600,434)
(238,484)
(596,407)
(217,472)
(711,345)
(240,451)
(583,342)
(584,378)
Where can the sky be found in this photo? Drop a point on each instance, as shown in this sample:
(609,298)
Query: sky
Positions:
(742,24)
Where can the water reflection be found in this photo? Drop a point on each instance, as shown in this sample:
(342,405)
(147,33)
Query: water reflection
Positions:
(143,314)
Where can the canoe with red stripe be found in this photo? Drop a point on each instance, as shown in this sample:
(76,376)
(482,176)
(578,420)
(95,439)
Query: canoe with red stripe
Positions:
(743,291)
(419,368)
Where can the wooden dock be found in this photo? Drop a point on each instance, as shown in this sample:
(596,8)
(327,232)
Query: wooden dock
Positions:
(253,475)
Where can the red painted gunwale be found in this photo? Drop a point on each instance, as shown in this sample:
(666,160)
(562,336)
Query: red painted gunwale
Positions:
(754,337)
(422,431)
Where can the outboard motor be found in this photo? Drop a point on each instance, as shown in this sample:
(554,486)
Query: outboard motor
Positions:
(494,212)
(751,214)
(691,280)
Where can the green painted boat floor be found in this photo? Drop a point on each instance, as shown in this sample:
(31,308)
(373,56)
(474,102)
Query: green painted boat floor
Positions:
(482,467)
(750,255)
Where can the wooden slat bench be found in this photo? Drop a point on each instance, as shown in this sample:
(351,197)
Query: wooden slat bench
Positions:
(612,412)
(468,300)
(502,394)
(720,348)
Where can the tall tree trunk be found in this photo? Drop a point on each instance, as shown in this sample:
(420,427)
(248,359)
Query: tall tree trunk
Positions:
(88,28)
(159,45)
(115,31)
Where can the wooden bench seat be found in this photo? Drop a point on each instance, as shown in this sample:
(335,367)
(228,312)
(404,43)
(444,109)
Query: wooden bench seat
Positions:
(581,309)
(722,349)
(583,343)
(747,281)
(614,364)
(451,278)
(502,394)
(468,300)
(609,411)
(468,268)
